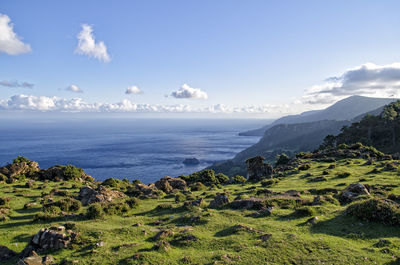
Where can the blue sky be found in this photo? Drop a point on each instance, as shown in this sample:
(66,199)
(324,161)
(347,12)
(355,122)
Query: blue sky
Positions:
(264,56)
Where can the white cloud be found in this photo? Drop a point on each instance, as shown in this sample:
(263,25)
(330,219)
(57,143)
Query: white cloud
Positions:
(188,92)
(133,90)
(56,104)
(16,84)
(87,45)
(74,88)
(366,80)
(10,42)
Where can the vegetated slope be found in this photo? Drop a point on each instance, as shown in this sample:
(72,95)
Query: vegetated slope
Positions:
(345,109)
(381,131)
(311,211)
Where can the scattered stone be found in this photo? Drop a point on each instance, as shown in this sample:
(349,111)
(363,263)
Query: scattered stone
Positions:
(196,203)
(265,237)
(219,201)
(162,245)
(247,203)
(353,192)
(88,195)
(100,244)
(313,220)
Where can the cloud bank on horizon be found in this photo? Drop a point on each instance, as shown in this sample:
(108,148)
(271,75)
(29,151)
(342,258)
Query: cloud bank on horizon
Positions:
(10,42)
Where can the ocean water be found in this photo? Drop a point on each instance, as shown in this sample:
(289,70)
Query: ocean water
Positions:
(145,149)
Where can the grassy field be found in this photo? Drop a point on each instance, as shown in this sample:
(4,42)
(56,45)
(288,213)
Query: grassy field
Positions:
(201,235)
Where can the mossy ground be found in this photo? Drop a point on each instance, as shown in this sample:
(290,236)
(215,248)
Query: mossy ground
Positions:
(336,238)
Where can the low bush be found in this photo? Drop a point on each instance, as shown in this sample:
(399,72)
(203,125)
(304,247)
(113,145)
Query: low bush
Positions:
(116,208)
(376,210)
(133,202)
(239,179)
(179,197)
(222,178)
(305,211)
(269,182)
(198,186)
(95,211)
(343,175)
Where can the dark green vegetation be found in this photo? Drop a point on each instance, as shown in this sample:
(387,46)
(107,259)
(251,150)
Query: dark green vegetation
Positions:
(288,217)
(355,119)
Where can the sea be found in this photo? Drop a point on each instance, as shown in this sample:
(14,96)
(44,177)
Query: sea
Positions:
(119,147)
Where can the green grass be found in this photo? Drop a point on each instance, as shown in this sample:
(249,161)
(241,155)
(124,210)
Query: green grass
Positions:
(336,238)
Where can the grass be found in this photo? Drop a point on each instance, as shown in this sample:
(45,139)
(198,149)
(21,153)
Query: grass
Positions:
(336,238)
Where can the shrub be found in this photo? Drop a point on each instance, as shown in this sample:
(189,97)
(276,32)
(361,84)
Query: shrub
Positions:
(198,186)
(41,216)
(239,179)
(269,182)
(21,159)
(179,197)
(116,208)
(3,177)
(69,205)
(164,206)
(376,210)
(304,167)
(343,175)
(206,176)
(95,211)
(52,210)
(222,178)
(70,172)
(4,201)
(283,159)
(111,182)
(133,202)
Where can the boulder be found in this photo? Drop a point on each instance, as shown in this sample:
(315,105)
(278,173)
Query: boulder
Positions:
(21,168)
(219,201)
(168,184)
(50,239)
(88,195)
(257,169)
(6,253)
(247,203)
(35,259)
(353,192)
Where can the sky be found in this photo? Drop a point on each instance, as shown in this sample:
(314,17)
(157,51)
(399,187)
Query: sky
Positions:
(253,58)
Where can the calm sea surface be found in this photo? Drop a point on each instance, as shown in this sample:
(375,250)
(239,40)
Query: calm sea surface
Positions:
(144,149)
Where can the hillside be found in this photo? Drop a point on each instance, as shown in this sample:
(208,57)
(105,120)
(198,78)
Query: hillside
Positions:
(346,109)
(332,206)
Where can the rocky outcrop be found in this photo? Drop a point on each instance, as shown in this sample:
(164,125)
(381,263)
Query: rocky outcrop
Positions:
(21,168)
(168,184)
(219,201)
(257,169)
(144,190)
(353,192)
(88,195)
(60,173)
(35,259)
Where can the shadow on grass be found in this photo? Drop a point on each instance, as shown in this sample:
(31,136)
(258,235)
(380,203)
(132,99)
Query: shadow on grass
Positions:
(158,212)
(22,238)
(350,227)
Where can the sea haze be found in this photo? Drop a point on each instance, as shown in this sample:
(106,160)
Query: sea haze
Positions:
(144,149)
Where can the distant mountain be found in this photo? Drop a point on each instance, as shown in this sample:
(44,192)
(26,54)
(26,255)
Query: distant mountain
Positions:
(346,109)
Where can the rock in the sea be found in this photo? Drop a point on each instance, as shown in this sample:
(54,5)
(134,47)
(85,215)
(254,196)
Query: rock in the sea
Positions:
(219,201)
(191,161)
(257,169)
(168,184)
(88,195)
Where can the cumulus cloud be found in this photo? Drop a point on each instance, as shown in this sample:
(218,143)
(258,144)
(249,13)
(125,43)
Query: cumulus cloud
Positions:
(74,88)
(366,80)
(87,45)
(56,104)
(188,92)
(16,84)
(10,42)
(133,90)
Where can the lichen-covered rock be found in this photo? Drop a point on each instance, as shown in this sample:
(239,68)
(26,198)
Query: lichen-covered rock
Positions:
(247,203)
(168,184)
(257,169)
(6,253)
(88,195)
(219,201)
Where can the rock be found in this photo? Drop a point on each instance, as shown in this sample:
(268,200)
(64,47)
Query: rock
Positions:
(21,168)
(191,161)
(6,253)
(48,260)
(30,183)
(263,212)
(245,228)
(317,179)
(168,184)
(219,201)
(265,237)
(100,244)
(34,259)
(247,203)
(196,203)
(88,195)
(162,245)
(146,190)
(294,193)
(313,220)
(163,234)
(257,169)
(353,192)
